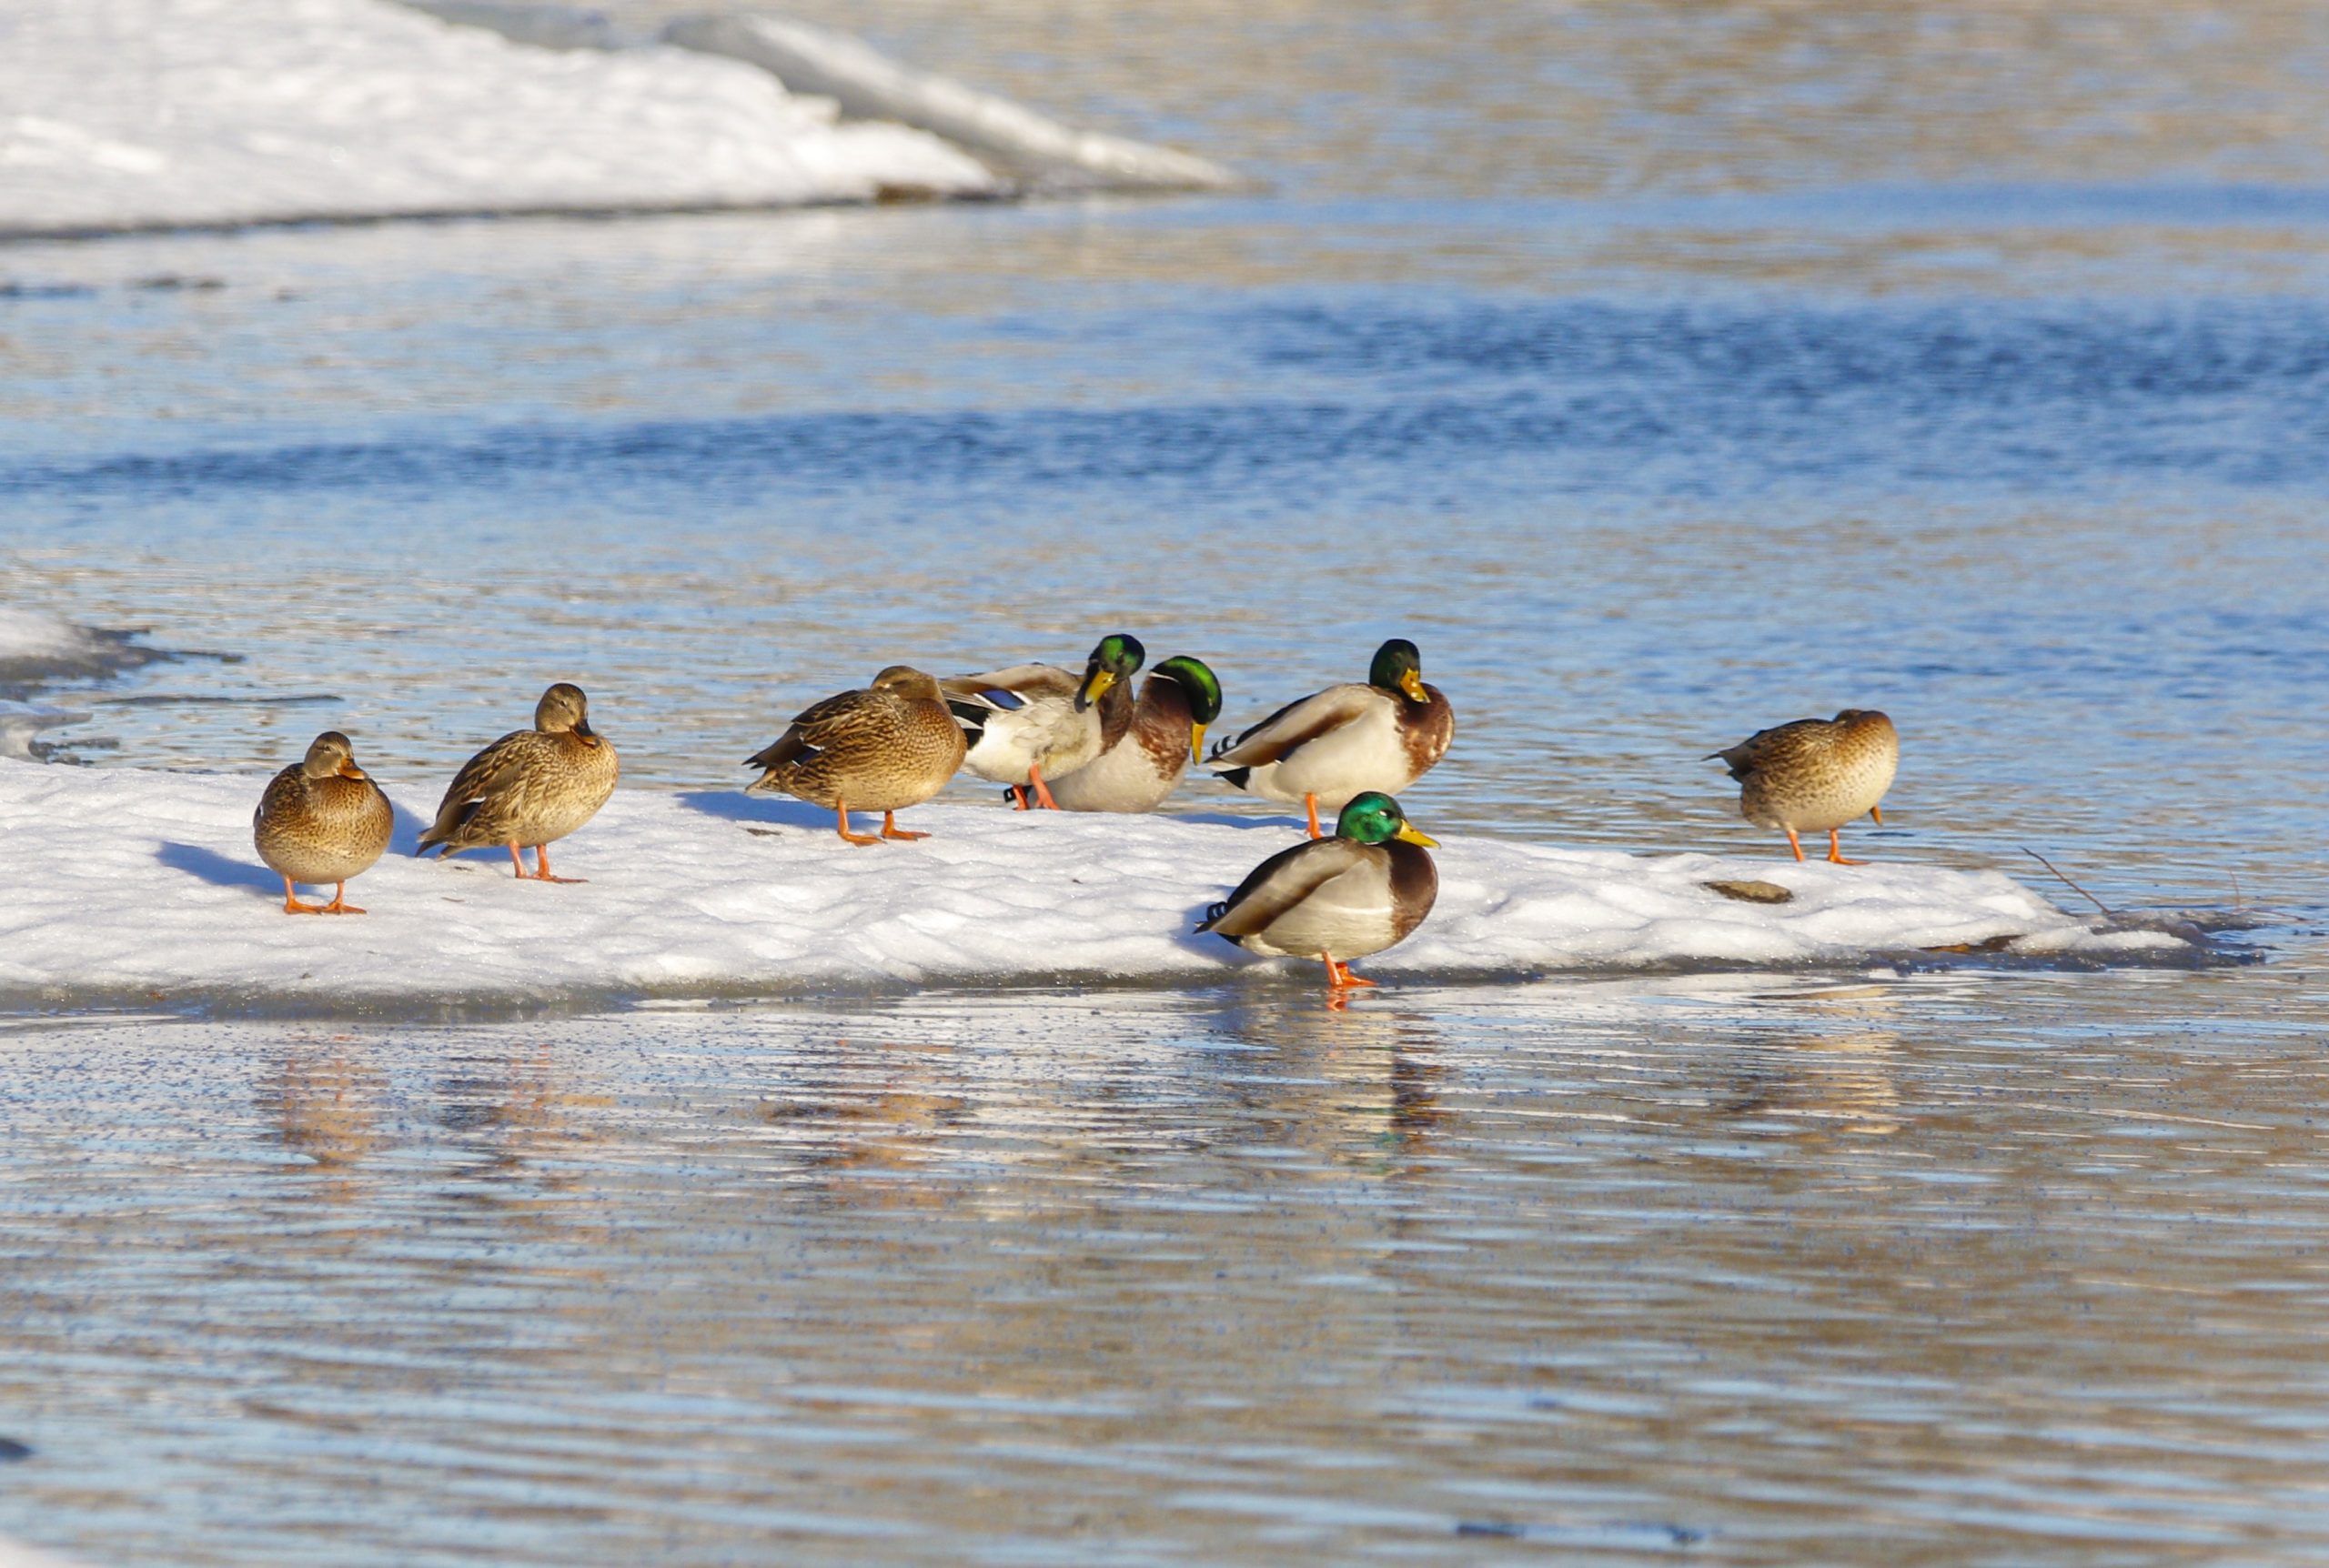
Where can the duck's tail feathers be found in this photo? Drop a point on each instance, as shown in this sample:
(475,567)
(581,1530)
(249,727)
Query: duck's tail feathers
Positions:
(1235,777)
(972,717)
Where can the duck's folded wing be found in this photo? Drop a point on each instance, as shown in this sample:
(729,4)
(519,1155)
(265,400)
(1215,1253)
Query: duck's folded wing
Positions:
(1279,883)
(1005,689)
(1296,722)
(491,772)
(1775,745)
(785,748)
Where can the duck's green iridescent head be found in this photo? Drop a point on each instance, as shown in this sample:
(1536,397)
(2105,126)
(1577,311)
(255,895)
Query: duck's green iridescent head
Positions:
(1118,655)
(1375,818)
(1398,666)
(1198,684)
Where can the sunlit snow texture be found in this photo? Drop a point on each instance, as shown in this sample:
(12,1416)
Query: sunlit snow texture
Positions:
(127,879)
(130,113)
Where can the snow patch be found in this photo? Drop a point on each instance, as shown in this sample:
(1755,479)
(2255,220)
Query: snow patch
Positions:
(20,721)
(131,880)
(36,636)
(129,113)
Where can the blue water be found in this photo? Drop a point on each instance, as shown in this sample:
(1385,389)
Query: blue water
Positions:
(1676,382)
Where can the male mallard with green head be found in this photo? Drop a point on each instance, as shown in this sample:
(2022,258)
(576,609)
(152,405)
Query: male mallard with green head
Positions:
(1334,744)
(1037,721)
(530,787)
(322,819)
(1335,898)
(890,745)
(1178,700)
(1815,775)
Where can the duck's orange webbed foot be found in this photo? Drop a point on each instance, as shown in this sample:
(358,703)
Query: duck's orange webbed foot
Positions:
(1043,791)
(1835,851)
(1794,843)
(291,904)
(1340,978)
(890,828)
(541,867)
(340,904)
(842,813)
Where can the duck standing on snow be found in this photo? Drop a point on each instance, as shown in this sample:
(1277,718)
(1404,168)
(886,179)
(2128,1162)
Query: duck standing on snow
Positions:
(1335,898)
(1335,744)
(1815,775)
(530,787)
(1034,720)
(322,819)
(890,745)
(1178,700)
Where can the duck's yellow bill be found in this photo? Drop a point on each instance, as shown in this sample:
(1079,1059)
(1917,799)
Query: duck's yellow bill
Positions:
(1097,687)
(1197,743)
(1408,834)
(349,770)
(1412,684)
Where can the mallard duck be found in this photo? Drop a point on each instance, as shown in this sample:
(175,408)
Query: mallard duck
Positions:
(1177,700)
(1815,775)
(890,745)
(530,787)
(1334,744)
(1033,721)
(1335,898)
(322,821)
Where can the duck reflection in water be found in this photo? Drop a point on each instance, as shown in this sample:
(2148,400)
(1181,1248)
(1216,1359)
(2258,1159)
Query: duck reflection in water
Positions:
(1366,1082)
(324,1102)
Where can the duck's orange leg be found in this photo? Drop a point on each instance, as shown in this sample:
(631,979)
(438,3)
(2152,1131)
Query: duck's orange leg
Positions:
(1836,852)
(890,828)
(517,860)
(291,904)
(1877,812)
(541,867)
(340,904)
(840,809)
(1794,843)
(1019,793)
(1043,791)
(1339,978)
(1310,803)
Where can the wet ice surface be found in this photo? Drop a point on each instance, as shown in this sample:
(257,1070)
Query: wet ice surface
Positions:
(1776,1270)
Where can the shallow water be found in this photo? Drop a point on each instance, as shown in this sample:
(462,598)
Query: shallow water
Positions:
(1768,1271)
(1665,374)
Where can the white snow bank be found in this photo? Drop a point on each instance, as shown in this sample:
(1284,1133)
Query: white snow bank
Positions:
(20,721)
(126,114)
(870,85)
(36,636)
(121,880)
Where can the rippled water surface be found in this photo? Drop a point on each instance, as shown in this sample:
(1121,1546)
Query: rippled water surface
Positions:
(1666,372)
(1754,1272)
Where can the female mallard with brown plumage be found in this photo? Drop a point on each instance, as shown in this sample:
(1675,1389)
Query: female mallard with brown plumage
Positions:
(322,819)
(1334,744)
(530,787)
(890,745)
(1178,700)
(1337,898)
(1815,775)
(1034,722)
